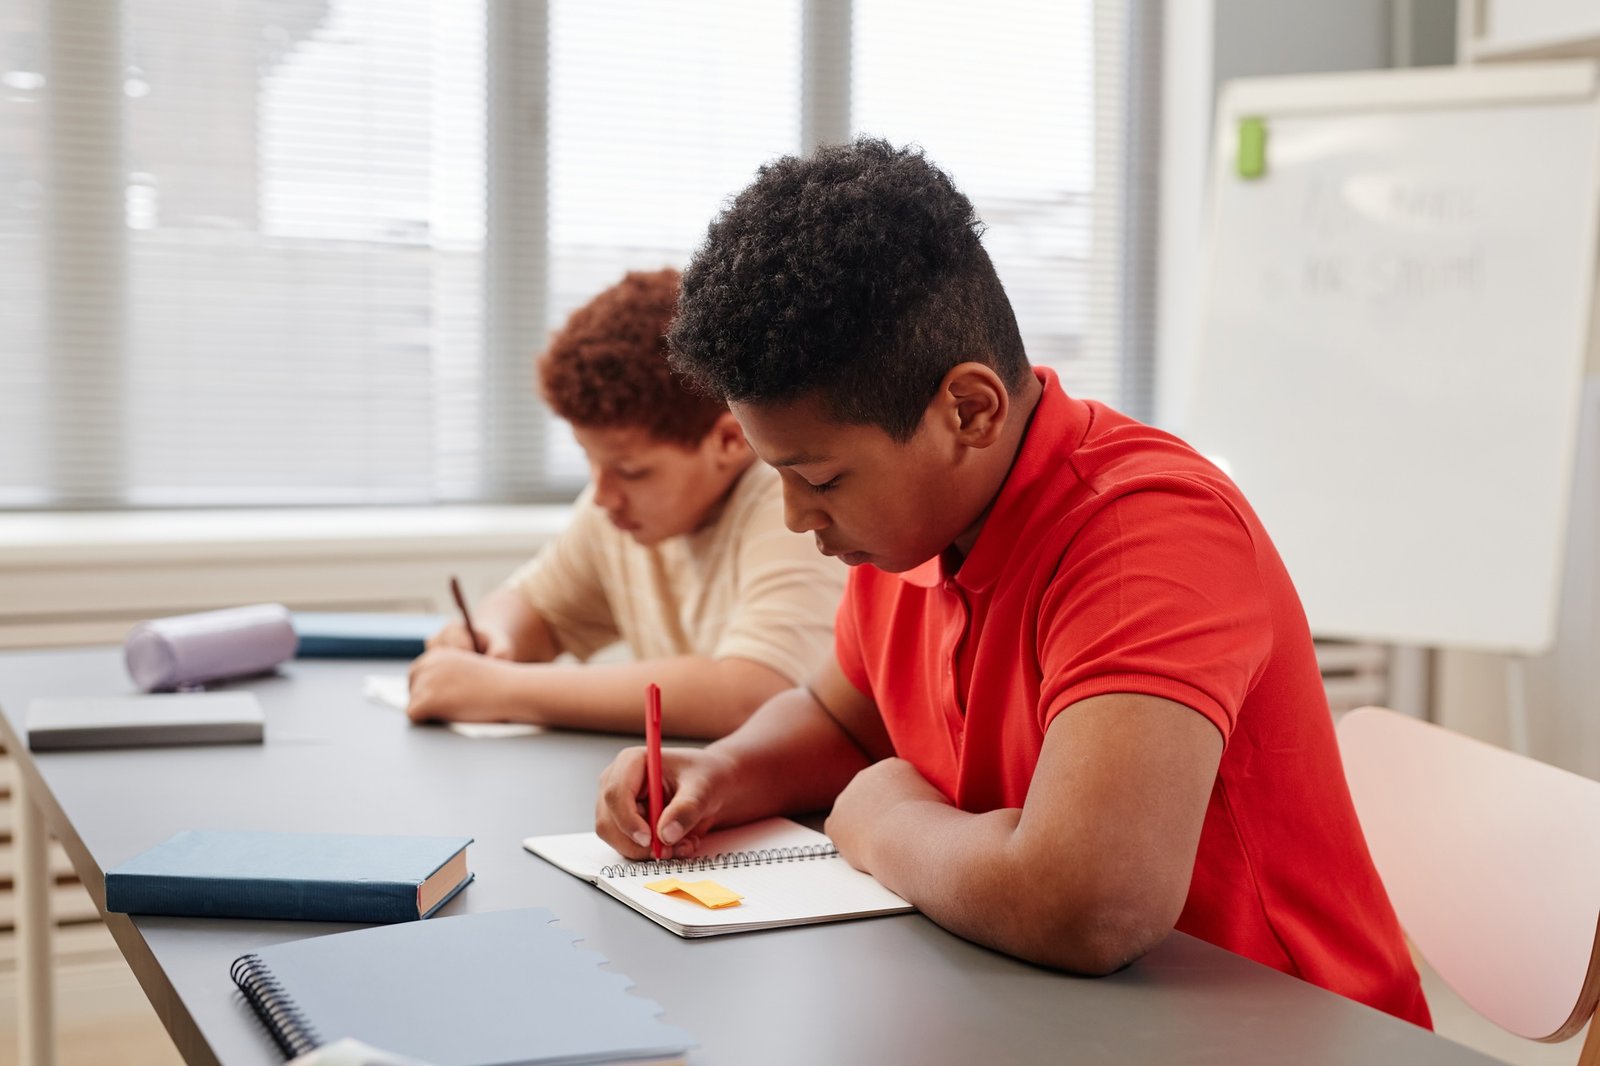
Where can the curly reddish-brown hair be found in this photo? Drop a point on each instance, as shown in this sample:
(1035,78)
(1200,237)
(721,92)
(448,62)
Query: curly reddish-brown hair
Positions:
(608,367)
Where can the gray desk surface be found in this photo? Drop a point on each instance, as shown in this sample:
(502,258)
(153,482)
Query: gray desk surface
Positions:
(895,989)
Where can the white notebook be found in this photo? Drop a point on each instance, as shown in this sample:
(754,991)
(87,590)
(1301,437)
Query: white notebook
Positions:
(787,874)
(145,721)
(394,690)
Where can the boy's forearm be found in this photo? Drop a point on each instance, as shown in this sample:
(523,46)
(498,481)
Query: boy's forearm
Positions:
(509,611)
(972,874)
(968,873)
(701,697)
(953,865)
(790,757)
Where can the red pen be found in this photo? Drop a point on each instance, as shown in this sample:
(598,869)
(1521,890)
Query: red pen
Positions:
(652,762)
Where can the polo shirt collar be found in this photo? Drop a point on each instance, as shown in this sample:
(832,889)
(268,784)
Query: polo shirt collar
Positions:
(1058,425)
(928,575)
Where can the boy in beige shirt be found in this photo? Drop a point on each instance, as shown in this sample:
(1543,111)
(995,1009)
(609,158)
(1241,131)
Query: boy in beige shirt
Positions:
(677,547)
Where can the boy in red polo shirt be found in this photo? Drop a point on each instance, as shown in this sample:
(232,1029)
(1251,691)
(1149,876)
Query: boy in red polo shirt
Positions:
(1074,702)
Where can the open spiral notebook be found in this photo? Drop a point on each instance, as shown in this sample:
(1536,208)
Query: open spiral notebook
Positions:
(787,874)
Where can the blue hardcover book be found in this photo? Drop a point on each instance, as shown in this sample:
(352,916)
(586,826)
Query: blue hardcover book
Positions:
(299,876)
(326,635)
(491,989)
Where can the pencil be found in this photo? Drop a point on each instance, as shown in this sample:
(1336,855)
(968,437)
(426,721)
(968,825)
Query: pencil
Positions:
(466,616)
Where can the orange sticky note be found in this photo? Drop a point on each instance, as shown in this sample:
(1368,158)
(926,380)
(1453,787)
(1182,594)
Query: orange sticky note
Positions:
(706,893)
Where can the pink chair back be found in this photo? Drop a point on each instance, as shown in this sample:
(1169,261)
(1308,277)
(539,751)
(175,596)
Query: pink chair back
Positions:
(1492,861)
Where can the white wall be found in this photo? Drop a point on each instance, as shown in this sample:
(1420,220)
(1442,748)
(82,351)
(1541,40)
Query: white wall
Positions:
(1260,37)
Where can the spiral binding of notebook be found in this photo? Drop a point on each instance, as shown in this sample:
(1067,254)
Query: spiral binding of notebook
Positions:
(724,861)
(294,1034)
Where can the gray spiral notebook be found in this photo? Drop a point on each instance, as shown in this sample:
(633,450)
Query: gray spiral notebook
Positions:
(502,988)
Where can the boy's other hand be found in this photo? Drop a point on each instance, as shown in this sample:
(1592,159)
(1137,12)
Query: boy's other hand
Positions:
(870,795)
(454,685)
(694,783)
(496,644)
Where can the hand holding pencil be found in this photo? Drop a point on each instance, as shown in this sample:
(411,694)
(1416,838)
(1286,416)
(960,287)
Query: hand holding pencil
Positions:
(484,637)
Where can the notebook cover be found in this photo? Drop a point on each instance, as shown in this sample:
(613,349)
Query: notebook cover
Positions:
(144,721)
(470,990)
(300,876)
(363,636)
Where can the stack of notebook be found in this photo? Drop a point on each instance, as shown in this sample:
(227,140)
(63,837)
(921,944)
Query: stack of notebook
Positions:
(491,989)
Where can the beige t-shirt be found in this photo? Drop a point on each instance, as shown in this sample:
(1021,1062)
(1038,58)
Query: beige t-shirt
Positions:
(744,587)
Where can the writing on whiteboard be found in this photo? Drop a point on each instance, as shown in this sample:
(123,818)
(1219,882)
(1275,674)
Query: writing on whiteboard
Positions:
(1392,276)
(1336,206)
(1382,239)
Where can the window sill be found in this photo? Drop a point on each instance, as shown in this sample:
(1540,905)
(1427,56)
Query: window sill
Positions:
(85,577)
(105,538)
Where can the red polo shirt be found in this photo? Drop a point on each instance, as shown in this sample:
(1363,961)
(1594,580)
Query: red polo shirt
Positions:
(1116,559)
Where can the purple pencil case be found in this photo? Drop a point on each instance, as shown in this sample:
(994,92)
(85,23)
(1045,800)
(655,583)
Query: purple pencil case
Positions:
(191,649)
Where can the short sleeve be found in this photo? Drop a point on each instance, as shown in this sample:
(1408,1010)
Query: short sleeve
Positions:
(563,583)
(785,596)
(1159,593)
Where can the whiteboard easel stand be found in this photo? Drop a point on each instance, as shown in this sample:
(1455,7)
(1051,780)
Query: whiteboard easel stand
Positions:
(1411,669)
(1517,703)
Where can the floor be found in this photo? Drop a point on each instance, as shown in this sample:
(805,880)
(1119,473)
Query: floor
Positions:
(104,1018)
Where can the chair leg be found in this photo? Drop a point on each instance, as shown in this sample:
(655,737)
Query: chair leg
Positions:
(1590,1055)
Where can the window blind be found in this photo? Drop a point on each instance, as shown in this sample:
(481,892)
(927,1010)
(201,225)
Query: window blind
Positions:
(658,112)
(304,251)
(285,202)
(25,423)
(1030,108)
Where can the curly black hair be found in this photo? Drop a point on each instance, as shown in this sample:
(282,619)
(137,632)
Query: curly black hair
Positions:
(855,275)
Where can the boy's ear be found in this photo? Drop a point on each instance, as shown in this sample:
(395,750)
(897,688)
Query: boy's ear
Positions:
(726,438)
(974,404)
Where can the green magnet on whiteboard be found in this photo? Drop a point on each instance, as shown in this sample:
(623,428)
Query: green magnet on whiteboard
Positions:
(1252,160)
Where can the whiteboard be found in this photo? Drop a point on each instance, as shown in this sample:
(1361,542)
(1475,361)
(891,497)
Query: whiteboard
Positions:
(1393,337)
